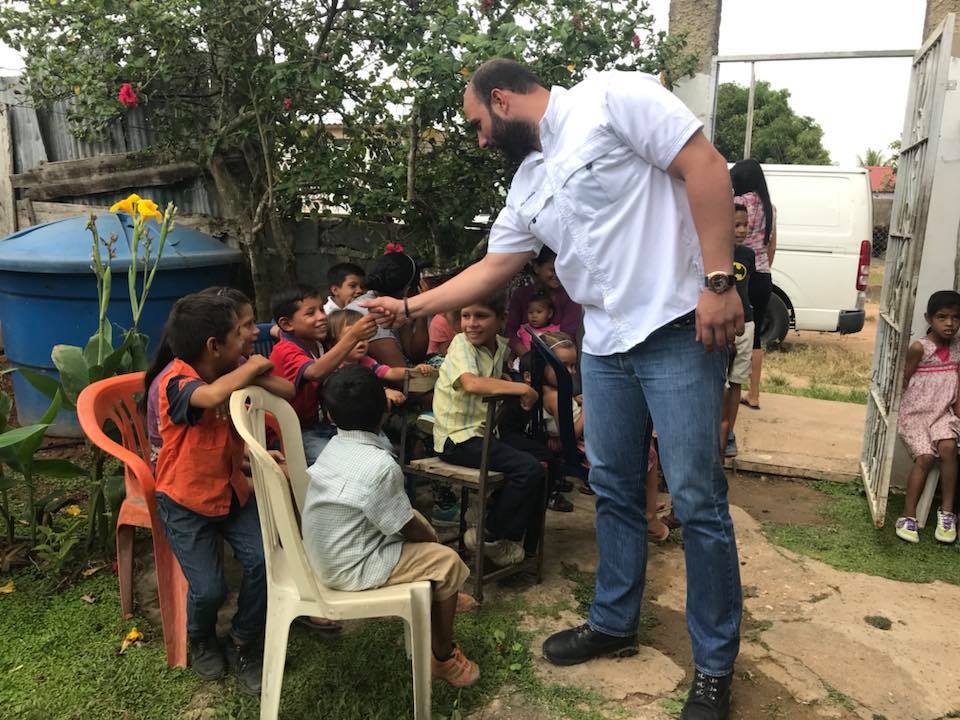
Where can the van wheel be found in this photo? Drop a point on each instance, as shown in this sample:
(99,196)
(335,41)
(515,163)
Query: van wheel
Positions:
(776,323)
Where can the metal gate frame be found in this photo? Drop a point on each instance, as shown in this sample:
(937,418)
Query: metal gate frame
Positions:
(920,145)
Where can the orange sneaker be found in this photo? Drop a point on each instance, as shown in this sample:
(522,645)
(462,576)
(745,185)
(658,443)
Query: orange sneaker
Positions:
(466,603)
(456,670)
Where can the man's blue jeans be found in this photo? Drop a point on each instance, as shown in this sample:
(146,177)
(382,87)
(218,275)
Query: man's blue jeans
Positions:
(671,378)
(195,541)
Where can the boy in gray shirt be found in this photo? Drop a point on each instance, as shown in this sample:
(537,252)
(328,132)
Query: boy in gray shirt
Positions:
(359,529)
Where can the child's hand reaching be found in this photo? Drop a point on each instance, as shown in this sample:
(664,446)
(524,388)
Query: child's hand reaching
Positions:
(362,329)
(529,398)
(258,364)
(394,397)
(424,369)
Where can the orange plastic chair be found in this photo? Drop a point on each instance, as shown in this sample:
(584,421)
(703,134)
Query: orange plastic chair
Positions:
(114,401)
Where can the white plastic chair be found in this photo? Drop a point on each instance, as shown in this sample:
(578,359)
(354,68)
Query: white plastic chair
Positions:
(293,589)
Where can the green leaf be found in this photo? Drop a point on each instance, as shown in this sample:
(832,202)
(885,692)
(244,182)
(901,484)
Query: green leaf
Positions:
(44,383)
(99,346)
(25,450)
(14,437)
(6,404)
(138,352)
(74,373)
(55,468)
(114,490)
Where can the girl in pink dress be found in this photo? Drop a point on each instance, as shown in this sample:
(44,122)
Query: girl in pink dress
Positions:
(928,421)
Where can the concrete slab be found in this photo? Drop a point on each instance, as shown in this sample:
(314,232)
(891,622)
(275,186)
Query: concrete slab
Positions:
(800,437)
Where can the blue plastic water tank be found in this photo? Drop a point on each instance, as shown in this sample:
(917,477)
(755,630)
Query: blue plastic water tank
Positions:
(48,293)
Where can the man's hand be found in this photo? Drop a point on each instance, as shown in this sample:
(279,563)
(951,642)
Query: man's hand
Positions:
(387,311)
(363,329)
(529,398)
(719,319)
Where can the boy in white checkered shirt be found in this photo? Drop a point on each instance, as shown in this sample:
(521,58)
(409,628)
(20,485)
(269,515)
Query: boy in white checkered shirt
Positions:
(361,532)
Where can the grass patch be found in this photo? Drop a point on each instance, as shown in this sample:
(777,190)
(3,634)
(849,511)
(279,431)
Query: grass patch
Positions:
(848,540)
(59,660)
(820,365)
(835,697)
(816,392)
(673,706)
(878,621)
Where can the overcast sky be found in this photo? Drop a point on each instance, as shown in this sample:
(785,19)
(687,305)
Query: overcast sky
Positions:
(858,103)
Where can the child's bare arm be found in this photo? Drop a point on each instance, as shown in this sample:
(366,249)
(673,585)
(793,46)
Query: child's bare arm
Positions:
(476,385)
(914,356)
(416,530)
(323,368)
(216,393)
(281,387)
(397,374)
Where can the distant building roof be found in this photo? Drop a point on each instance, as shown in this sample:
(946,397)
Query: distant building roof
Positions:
(882,178)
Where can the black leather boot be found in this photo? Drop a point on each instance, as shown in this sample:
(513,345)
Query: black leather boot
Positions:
(709,698)
(579,644)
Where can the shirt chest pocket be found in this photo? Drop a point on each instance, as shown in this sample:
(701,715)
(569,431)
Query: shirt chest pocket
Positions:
(599,173)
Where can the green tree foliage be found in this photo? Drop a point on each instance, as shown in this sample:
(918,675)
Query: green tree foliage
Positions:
(329,104)
(779,134)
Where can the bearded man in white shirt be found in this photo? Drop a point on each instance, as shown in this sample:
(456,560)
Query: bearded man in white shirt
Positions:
(617,178)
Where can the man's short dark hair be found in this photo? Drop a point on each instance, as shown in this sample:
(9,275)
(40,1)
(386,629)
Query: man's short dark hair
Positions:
(354,398)
(503,74)
(286,302)
(337,275)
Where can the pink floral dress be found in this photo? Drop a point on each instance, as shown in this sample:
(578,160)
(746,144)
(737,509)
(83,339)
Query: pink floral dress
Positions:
(926,411)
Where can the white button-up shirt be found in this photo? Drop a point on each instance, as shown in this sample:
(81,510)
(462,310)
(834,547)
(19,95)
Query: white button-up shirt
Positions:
(600,197)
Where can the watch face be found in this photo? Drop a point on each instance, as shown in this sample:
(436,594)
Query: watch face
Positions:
(719,283)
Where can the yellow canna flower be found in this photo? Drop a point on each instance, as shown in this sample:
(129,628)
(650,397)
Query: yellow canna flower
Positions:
(148,209)
(128,205)
(134,636)
(464,71)
(72,510)
(571,67)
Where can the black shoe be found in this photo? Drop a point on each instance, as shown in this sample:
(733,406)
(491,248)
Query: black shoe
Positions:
(579,644)
(586,489)
(559,503)
(709,698)
(564,485)
(206,658)
(247,662)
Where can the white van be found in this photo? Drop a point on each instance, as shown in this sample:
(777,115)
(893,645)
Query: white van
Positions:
(822,261)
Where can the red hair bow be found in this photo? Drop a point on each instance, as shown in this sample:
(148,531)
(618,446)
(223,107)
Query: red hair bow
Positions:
(393,248)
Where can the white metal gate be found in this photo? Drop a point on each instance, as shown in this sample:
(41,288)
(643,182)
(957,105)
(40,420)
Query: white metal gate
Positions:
(919,149)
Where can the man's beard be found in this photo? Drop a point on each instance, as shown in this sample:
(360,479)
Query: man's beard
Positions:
(514,138)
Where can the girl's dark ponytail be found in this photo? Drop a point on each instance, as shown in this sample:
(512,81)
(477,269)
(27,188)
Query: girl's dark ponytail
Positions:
(163,357)
(747,176)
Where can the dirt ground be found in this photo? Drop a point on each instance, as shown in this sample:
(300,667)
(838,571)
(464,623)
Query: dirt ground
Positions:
(806,651)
